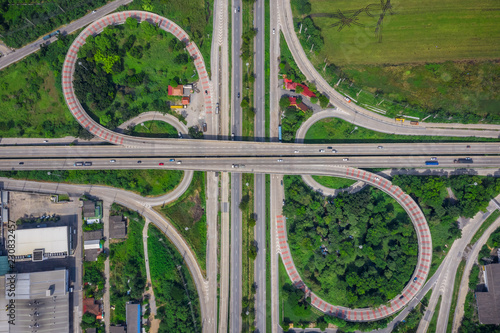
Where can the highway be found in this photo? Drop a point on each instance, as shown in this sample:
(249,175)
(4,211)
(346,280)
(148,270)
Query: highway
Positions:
(214,148)
(65,30)
(260,229)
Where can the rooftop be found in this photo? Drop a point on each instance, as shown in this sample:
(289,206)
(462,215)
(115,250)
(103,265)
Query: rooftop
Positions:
(175,91)
(93,235)
(488,303)
(290,85)
(52,240)
(117,227)
(90,306)
(117,329)
(133,315)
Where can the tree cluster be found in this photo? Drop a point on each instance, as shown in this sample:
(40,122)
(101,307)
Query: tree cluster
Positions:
(355,250)
(292,120)
(310,37)
(302,6)
(247,44)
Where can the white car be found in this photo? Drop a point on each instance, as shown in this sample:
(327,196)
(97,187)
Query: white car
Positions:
(274,31)
(112,161)
(377,178)
(321,150)
(296,151)
(280,160)
(347,100)
(380,147)
(345,159)
(179,162)
(334,151)
(434,159)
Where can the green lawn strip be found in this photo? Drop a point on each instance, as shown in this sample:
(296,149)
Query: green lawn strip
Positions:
(334,182)
(269,252)
(456,288)
(187,215)
(267,59)
(155,129)
(176,295)
(247,95)
(248,252)
(336,130)
(429,76)
(143,182)
(489,221)
(127,266)
(433,323)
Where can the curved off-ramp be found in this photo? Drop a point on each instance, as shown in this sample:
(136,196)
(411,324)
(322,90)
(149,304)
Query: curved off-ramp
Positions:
(156,116)
(423,260)
(97,27)
(379,123)
(332,192)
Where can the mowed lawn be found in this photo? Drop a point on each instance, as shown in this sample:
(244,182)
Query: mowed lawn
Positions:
(419,31)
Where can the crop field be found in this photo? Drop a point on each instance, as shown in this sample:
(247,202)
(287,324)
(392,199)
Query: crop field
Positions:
(411,31)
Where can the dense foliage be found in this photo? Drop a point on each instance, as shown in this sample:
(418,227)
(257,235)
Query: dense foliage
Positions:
(472,194)
(292,120)
(174,289)
(127,265)
(145,182)
(126,70)
(486,255)
(90,321)
(93,277)
(21,23)
(354,250)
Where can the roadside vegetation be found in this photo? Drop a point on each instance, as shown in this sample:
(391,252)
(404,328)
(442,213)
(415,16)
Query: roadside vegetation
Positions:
(354,250)
(412,320)
(93,277)
(489,221)
(471,194)
(127,265)
(428,75)
(176,295)
(334,182)
(31,97)
(249,252)
(293,118)
(156,129)
(187,215)
(336,130)
(127,69)
(433,323)
(143,182)
(22,23)
(246,99)
(488,254)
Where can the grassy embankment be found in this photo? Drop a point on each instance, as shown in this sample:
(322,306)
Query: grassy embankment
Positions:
(333,130)
(439,69)
(433,323)
(334,182)
(187,215)
(489,221)
(156,129)
(143,182)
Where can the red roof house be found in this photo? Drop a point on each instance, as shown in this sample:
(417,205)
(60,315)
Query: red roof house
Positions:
(90,306)
(175,91)
(300,105)
(185,100)
(289,85)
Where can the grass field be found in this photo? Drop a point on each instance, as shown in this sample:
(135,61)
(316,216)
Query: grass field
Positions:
(413,31)
(188,212)
(340,131)
(155,128)
(334,182)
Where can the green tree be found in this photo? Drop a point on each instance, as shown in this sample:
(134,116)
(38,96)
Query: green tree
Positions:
(299,89)
(323,101)
(314,100)
(131,23)
(244,103)
(284,102)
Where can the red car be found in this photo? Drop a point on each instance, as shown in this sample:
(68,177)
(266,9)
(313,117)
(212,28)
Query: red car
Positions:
(161,164)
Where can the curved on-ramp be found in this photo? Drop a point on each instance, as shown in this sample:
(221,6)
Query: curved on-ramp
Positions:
(97,27)
(423,260)
(156,116)
(379,123)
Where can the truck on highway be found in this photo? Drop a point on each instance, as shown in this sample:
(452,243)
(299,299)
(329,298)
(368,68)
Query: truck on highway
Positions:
(279,133)
(55,33)
(463,160)
(431,163)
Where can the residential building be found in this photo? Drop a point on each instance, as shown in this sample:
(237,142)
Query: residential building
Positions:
(290,85)
(92,307)
(92,211)
(176,91)
(300,105)
(488,303)
(117,227)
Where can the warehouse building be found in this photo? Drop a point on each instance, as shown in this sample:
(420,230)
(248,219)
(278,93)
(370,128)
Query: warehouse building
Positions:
(41,243)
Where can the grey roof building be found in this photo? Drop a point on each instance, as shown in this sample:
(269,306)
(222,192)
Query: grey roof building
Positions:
(488,303)
(133,316)
(93,235)
(117,227)
(117,329)
(88,209)
(41,302)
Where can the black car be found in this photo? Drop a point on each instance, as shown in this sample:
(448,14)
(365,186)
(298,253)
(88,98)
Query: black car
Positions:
(139,162)
(238,95)
(21,163)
